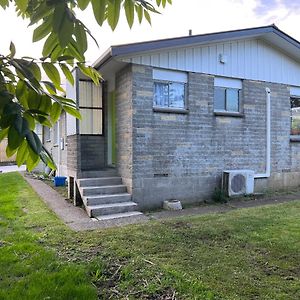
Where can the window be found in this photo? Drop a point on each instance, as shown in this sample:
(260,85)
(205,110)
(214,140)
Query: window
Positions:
(295,115)
(227,95)
(169,89)
(90,105)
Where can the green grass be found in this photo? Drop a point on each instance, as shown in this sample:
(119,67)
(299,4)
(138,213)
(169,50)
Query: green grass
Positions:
(245,254)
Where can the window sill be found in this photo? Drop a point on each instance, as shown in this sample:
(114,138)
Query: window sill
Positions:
(171,110)
(295,138)
(228,114)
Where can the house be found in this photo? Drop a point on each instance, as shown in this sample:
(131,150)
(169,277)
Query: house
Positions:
(172,115)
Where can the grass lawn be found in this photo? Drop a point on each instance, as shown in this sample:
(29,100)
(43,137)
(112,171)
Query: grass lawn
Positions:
(245,254)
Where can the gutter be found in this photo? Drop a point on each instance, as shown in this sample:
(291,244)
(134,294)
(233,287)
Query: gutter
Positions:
(268,137)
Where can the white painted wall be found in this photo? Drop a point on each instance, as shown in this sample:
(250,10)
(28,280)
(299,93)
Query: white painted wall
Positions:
(71,93)
(252,59)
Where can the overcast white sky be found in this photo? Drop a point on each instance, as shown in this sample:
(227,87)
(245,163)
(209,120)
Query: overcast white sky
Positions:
(202,16)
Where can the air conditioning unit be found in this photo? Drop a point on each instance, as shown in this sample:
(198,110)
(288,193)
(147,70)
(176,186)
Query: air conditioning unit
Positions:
(238,182)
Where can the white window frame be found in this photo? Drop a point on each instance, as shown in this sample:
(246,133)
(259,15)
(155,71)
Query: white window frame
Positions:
(229,84)
(294,94)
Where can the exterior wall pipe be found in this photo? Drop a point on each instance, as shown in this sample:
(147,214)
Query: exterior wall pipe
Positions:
(268,139)
(58,148)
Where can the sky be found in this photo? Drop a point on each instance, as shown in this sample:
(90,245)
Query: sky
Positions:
(201,16)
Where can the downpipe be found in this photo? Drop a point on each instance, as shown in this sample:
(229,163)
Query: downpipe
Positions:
(268,137)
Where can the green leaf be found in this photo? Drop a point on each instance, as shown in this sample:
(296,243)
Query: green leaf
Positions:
(45,104)
(14,139)
(99,8)
(52,73)
(4,3)
(12,49)
(30,120)
(3,133)
(21,125)
(47,159)
(72,111)
(35,70)
(49,86)
(43,30)
(22,93)
(139,11)
(62,24)
(55,112)
(34,100)
(67,73)
(22,5)
(41,11)
(73,51)
(50,43)
(34,142)
(129,11)
(22,153)
(113,13)
(81,38)
(44,121)
(32,159)
(10,152)
(82,4)
(147,16)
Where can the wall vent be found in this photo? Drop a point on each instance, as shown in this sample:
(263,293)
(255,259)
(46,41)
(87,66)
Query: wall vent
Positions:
(161,175)
(238,182)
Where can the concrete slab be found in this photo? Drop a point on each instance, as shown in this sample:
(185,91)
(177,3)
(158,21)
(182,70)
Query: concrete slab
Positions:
(12,168)
(77,219)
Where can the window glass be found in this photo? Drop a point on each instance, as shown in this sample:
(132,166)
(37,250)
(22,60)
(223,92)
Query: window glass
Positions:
(91,122)
(219,98)
(161,94)
(232,100)
(176,94)
(169,88)
(295,116)
(226,99)
(90,104)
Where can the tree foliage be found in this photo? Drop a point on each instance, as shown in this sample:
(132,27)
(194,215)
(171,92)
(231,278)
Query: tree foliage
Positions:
(26,99)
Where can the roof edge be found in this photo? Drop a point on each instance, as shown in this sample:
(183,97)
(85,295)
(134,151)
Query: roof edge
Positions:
(152,45)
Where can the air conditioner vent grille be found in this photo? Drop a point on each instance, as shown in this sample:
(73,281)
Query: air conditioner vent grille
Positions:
(238,183)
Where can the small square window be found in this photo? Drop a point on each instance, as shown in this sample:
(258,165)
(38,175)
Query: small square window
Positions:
(169,89)
(227,99)
(295,116)
(169,94)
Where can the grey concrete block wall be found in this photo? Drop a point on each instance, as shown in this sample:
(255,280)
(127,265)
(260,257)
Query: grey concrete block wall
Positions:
(86,153)
(182,156)
(124,131)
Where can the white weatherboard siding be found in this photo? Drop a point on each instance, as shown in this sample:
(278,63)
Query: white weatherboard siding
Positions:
(246,59)
(71,121)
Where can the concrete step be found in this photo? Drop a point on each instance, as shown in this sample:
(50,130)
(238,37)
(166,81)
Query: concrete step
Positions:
(102,181)
(110,209)
(109,172)
(119,216)
(106,199)
(103,190)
